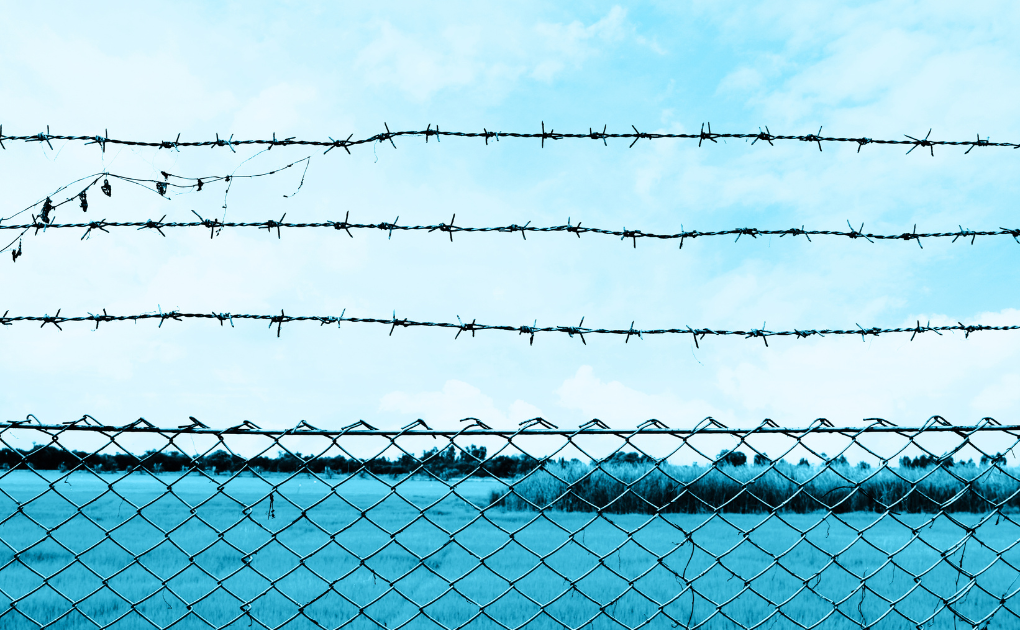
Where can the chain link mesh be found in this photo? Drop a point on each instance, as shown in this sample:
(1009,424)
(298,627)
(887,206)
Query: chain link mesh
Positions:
(710,527)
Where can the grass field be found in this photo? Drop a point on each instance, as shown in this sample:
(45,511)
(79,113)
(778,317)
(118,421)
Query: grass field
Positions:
(358,564)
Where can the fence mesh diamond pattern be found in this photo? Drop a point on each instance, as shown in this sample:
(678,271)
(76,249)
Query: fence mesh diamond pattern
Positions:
(877,526)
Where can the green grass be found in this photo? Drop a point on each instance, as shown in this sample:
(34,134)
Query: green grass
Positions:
(555,569)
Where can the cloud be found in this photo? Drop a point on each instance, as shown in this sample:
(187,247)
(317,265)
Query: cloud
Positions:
(417,68)
(279,107)
(890,377)
(457,400)
(573,43)
(423,64)
(620,406)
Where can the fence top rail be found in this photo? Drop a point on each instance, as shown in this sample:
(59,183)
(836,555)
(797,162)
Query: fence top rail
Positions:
(527,428)
(705,134)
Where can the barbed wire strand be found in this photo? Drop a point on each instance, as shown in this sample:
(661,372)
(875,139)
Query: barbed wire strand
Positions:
(705,134)
(450,228)
(580,330)
(163,188)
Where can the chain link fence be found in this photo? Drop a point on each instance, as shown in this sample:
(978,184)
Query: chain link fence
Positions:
(876,526)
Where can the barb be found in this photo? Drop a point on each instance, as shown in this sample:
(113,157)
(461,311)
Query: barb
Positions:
(388,135)
(698,334)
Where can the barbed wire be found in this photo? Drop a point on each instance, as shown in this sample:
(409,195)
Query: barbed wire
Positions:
(705,134)
(215,226)
(580,330)
(163,187)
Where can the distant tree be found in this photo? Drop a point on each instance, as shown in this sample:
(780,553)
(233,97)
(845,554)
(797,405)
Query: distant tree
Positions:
(761,459)
(803,462)
(732,458)
(926,461)
(997,459)
(839,461)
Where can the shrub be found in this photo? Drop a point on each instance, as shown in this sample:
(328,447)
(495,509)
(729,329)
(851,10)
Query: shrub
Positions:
(665,488)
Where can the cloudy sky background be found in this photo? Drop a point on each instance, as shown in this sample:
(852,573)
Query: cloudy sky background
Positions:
(317,70)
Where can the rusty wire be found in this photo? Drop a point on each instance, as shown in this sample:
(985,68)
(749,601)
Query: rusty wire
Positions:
(461,326)
(720,543)
(704,135)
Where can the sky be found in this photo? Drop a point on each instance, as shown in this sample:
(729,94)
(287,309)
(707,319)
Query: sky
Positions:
(321,70)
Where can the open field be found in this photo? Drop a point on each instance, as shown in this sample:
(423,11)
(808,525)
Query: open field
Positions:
(330,552)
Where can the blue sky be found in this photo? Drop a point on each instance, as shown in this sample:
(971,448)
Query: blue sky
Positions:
(317,70)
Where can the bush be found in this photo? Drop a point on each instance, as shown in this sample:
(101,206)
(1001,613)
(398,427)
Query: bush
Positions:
(664,488)
(732,458)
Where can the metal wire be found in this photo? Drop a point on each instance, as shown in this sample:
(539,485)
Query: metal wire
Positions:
(643,527)
(461,327)
(215,226)
(164,188)
(345,143)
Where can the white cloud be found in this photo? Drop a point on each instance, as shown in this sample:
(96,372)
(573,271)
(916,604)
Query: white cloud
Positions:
(276,108)
(999,397)
(417,68)
(457,400)
(462,56)
(891,377)
(573,43)
(620,406)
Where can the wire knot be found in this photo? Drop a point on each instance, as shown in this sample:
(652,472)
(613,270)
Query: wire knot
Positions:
(172,144)
(443,227)
(576,330)
(923,142)
(345,225)
(279,321)
(97,225)
(978,143)
(530,330)
(466,327)
(429,131)
(631,234)
(816,137)
(229,143)
(270,224)
(154,225)
(339,143)
(550,135)
(965,233)
(759,332)
(764,135)
(55,320)
(707,136)
(752,232)
(858,233)
(397,322)
(100,318)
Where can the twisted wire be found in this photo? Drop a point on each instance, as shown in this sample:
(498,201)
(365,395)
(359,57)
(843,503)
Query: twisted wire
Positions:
(215,226)
(704,135)
(462,326)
